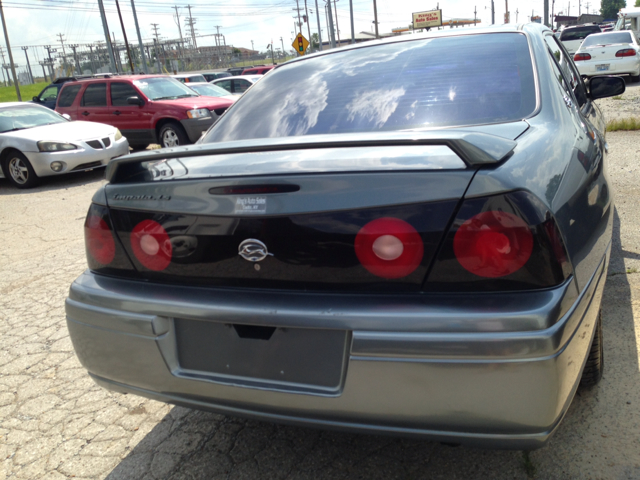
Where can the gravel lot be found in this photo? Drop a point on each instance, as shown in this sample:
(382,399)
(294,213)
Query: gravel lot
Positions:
(55,423)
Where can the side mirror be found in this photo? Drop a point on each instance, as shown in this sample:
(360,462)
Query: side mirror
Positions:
(135,101)
(605,86)
(35,99)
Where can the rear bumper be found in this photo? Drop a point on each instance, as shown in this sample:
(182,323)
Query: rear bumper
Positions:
(420,369)
(621,66)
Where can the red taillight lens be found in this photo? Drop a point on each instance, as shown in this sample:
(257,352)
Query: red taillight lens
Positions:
(493,244)
(581,56)
(151,245)
(99,240)
(389,247)
(626,52)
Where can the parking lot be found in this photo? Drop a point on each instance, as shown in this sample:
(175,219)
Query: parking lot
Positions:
(55,423)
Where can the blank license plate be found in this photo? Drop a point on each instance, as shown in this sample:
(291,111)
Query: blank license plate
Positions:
(602,68)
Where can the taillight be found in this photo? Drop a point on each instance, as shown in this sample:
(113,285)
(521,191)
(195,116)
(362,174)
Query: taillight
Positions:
(99,240)
(626,52)
(151,245)
(493,244)
(501,242)
(389,247)
(581,56)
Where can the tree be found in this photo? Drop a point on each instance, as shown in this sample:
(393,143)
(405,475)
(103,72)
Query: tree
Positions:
(315,41)
(637,3)
(609,8)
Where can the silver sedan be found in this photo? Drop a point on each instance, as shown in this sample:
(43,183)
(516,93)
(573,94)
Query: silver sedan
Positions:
(38,142)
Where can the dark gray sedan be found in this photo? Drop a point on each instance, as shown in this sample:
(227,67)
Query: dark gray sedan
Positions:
(407,237)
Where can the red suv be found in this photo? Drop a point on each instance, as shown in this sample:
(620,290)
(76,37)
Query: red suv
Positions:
(146,108)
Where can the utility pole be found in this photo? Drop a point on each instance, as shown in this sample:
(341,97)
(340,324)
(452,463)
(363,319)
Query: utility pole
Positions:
(282,42)
(217,36)
(299,21)
(493,13)
(353,32)
(553,4)
(475,16)
(28,64)
(546,12)
(517,15)
(332,34)
(51,70)
(375,17)
(3,63)
(506,11)
(252,45)
(157,44)
(319,29)
(176,18)
(335,4)
(64,54)
(105,27)
(75,58)
(579,7)
(145,67)
(307,20)
(124,34)
(44,72)
(13,67)
(191,24)
(93,67)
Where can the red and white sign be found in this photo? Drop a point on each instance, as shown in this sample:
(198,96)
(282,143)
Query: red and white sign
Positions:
(432,18)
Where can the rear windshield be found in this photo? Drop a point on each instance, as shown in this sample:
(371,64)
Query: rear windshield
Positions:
(607,39)
(461,80)
(578,33)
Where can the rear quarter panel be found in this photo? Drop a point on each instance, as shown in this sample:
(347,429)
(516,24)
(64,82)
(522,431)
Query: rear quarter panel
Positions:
(558,162)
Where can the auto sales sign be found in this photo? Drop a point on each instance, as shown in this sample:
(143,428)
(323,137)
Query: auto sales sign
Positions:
(432,18)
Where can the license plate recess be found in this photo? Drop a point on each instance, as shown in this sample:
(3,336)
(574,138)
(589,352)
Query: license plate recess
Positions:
(306,359)
(602,67)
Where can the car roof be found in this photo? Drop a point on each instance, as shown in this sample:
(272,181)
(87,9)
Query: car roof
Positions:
(117,77)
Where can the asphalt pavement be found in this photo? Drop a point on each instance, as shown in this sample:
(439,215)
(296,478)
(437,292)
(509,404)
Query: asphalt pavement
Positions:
(55,423)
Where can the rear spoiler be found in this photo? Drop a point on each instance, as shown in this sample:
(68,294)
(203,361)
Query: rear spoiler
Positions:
(474,148)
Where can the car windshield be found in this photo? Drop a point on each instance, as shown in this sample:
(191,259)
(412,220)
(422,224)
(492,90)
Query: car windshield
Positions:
(402,85)
(23,117)
(578,33)
(163,88)
(210,90)
(607,39)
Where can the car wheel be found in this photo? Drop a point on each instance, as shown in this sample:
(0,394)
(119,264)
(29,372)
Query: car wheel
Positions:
(592,373)
(19,171)
(172,135)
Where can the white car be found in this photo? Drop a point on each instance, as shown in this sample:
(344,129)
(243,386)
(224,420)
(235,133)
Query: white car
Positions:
(38,142)
(238,84)
(609,52)
(207,89)
(572,37)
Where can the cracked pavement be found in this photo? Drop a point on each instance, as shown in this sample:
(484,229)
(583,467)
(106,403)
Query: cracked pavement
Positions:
(55,423)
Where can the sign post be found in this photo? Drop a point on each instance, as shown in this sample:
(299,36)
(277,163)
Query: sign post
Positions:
(300,44)
(428,19)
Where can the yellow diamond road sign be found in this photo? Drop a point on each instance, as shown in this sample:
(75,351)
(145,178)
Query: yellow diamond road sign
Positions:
(300,44)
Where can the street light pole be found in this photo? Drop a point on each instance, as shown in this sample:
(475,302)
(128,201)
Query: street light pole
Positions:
(375,17)
(319,29)
(13,68)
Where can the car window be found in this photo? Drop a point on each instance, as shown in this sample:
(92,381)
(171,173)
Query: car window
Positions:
(163,88)
(568,68)
(226,84)
(241,86)
(67,95)
(120,92)
(48,94)
(607,39)
(402,85)
(95,95)
(578,33)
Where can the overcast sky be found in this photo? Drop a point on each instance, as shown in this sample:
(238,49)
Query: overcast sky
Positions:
(37,22)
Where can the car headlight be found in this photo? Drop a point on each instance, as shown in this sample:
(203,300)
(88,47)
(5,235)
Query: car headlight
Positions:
(198,113)
(118,135)
(55,146)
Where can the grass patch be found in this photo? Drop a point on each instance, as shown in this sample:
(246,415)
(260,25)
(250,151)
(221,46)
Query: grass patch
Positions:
(617,97)
(529,467)
(632,270)
(631,123)
(8,94)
